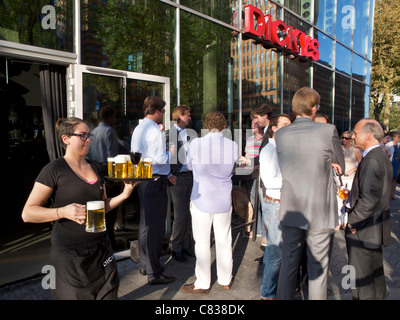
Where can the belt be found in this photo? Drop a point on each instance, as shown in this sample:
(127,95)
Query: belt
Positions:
(272,199)
(185,172)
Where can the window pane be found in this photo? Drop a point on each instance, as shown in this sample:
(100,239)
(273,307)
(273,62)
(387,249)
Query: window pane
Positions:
(302,8)
(219,9)
(343,59)
(358,67)
(326,49)
(137,36)
(357,102)
(296,23)
(323,84)
(296,76)
(345,21)
(23,22)
(208,69)
(360,30)
(324,15)
(342,103)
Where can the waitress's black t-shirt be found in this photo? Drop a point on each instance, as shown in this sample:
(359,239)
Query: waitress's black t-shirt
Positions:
(69,188)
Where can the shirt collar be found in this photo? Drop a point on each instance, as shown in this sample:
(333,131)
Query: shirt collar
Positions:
(369,149)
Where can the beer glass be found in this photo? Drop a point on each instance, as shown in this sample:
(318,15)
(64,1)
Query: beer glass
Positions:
(95,216)
(111,167)
(139,169)
(343,193)
(147,168)
(130,174)
(120,167)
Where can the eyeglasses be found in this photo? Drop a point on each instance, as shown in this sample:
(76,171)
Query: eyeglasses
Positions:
(318,107)
(82,136)
(347,138)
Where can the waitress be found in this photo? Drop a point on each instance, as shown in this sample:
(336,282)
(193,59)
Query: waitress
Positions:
(84,262)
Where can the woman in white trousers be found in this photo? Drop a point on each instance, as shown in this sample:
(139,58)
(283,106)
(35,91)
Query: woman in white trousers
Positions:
(212,159)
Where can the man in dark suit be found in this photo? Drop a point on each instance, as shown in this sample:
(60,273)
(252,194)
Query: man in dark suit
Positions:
(263,115)
(308,211)
(181,237)
(368,227)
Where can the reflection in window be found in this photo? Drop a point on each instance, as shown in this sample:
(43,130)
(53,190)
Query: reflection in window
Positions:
(302,8)
(296,76)
(296,23)
(358,67)
(342,103)
(140,36)
(357,102)
(323,84)
(326,49)
(360,30)
(23,22)
(370,28)
(324,15)
(207,70)
(219,9)
(343,59)
(345,21)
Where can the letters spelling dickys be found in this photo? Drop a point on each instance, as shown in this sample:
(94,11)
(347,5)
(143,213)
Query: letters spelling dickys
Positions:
(295,41)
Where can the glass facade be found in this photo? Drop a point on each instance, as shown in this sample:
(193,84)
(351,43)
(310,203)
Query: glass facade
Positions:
(198,45)
(42,23)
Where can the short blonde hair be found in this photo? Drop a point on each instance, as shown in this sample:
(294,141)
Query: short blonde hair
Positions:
(179,111)
(304,100)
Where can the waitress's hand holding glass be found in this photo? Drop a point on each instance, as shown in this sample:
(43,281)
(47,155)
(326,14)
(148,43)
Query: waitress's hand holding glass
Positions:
(95,216)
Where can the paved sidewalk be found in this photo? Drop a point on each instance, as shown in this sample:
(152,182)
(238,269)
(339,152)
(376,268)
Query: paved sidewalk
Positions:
(247,274)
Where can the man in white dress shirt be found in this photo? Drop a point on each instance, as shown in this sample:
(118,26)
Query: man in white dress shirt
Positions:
(148,140)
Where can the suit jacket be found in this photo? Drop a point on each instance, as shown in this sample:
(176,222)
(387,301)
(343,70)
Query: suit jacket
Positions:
(172,135)
(306,150)
(370,205)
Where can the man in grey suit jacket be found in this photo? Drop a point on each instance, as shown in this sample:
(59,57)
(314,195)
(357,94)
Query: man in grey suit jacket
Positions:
(368,227)
(307,151)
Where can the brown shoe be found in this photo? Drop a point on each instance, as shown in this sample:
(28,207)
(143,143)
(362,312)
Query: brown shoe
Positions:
(189,288)
(227,287)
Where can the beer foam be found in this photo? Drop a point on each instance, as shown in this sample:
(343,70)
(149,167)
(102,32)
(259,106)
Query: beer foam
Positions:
(95,205)
(120,159)
(150,160)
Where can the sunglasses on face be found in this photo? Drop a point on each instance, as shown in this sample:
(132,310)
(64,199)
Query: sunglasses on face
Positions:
(346,138)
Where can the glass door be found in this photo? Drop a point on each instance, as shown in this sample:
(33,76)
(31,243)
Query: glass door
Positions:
(95,88)
(124,91)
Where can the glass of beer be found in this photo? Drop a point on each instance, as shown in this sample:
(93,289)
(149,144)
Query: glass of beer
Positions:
(120,167)
(343,193)
(111,167)
(139,169)
(95,216)
(147,168)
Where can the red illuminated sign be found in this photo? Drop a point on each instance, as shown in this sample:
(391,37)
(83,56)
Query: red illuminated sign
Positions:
(295,41)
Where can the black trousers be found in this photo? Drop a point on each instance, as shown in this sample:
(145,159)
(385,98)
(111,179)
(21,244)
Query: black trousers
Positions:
(85,273)
(181,237)
(153,211)
(368,264)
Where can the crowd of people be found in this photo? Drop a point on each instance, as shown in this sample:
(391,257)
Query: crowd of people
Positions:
(297,161)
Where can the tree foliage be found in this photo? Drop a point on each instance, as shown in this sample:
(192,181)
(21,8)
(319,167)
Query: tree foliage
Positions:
(385,76)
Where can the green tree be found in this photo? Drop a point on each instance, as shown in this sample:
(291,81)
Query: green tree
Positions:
(385,75)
